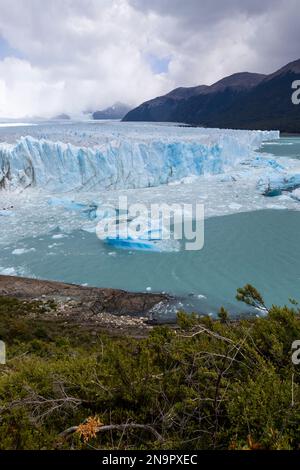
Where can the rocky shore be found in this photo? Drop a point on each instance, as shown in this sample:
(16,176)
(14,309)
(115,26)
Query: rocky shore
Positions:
(113,310)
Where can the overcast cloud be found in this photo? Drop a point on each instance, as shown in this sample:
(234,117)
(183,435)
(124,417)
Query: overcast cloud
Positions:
(75,55)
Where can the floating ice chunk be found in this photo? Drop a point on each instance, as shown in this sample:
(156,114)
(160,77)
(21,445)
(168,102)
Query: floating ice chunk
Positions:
(234,206)
(273,185)
(8,271)
(88,210)
(278,143)
(131,244)
(260,161)
(89,228)
(22,251)
(275,207)
(296,194)
(5,213)
(66,203)
(57,236)
(135,233)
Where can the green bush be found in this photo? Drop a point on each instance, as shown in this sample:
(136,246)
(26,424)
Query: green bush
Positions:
(206,384)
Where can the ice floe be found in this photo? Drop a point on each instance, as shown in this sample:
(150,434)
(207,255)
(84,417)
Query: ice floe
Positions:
(22,251)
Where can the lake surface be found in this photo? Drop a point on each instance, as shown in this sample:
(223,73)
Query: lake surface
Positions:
(261,248)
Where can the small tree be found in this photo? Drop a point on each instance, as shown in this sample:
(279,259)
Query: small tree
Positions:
(223,315)
(250,296)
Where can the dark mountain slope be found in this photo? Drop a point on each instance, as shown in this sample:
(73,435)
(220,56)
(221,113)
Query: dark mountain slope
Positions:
(243,100)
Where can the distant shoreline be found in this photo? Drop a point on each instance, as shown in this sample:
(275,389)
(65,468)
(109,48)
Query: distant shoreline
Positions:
(289,134)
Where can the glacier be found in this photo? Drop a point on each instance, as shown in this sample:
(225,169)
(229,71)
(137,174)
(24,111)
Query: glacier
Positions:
(123,160)
(61,178)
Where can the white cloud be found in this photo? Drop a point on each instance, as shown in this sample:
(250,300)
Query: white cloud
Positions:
(86,54)
(77,56)
(25,89)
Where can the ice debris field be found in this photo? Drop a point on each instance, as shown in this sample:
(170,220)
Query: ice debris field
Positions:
(64,177)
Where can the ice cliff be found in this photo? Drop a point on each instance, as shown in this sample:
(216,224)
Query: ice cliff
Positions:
(119,161)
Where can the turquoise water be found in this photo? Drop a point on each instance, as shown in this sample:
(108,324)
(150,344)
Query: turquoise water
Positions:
(285,147)
(260,247)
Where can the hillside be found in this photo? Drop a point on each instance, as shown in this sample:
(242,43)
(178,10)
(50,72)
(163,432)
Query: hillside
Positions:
(240,101)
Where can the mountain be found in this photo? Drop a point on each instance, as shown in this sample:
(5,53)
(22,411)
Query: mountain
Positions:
(241,101)
(61,117)
(117,111)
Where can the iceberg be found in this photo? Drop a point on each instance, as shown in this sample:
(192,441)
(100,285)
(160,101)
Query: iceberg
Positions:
(147,234)
(274,185)
(131,244)
(87,210)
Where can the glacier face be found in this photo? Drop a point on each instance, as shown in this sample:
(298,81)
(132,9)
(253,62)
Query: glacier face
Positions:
(95,164)
(121,156)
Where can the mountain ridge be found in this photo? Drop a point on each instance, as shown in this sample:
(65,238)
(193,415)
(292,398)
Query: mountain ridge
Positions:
(242,101)
(116,111)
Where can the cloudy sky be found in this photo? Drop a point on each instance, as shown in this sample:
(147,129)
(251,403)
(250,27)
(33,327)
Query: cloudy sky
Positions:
(75,55)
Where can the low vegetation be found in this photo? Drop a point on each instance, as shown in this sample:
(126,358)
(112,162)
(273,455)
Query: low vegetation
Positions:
(206,384)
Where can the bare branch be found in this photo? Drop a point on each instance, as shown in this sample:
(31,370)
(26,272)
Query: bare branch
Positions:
(115,427)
